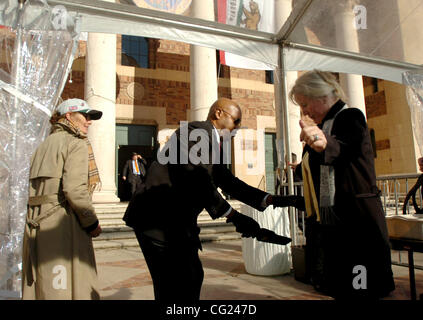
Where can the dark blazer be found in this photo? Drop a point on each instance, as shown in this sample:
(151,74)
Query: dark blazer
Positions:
(127,169)
(175,194)
(361,238)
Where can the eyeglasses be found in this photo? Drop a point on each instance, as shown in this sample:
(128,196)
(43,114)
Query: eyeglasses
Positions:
(85,115)
(237,121)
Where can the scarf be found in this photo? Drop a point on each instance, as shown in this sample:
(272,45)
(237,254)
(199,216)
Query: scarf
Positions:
(94,181)
(311,205)
(325,210)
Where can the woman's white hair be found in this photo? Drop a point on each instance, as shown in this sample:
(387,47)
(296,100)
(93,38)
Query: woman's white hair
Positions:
(317,84)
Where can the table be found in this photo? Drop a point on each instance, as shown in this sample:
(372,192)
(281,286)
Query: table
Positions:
(410,245)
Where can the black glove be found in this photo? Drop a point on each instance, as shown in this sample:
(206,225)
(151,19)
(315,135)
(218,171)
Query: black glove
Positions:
(248,227)
(288,201)
(266,235)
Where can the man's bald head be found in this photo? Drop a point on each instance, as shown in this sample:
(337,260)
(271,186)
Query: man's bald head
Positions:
(222,104)
(225,114)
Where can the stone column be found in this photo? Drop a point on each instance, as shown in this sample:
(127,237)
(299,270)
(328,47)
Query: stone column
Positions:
(283,9)
(347,39)
(203,73)
(100,93)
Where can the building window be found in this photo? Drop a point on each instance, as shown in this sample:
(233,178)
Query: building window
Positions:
(375,85)
(269,77)
(134,51)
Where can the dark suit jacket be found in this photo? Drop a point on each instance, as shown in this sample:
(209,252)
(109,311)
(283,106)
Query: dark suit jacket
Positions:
(175,194)
(127,169)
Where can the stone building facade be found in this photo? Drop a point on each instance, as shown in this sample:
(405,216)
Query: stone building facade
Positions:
(159,96)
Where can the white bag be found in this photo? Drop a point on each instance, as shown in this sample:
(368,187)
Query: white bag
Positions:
(262,258)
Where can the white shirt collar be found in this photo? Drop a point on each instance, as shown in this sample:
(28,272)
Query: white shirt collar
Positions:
(216,134)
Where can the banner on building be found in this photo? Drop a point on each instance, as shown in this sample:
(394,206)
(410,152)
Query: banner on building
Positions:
(251,14)
(172,6)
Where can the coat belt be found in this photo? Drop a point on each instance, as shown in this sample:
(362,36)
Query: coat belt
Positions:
(35,224)
(39,200)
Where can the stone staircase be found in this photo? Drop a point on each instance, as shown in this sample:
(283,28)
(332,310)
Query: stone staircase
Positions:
(117,235)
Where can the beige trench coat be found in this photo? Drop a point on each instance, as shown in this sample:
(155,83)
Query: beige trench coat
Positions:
(58,255)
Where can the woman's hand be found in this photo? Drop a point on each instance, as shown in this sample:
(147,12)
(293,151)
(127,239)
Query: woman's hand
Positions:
(313,136)
(96,232)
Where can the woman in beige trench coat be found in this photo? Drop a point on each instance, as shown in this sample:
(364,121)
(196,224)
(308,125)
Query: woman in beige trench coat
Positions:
(58,255)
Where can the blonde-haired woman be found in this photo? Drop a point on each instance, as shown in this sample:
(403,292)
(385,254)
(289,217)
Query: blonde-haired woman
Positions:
(347,243)
(58,255)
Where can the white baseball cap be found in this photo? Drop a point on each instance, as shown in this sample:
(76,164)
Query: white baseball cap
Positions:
(78,105)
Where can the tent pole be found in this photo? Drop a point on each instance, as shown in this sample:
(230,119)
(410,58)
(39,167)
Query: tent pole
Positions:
(296,15)
(284,132)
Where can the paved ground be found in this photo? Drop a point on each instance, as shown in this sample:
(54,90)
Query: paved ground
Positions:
(123,275)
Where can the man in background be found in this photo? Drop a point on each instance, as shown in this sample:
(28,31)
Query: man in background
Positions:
(134,171)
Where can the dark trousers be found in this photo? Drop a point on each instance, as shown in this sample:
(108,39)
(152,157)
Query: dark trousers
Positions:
(134,182)
(174,266)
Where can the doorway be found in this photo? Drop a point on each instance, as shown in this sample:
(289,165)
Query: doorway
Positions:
(132,138)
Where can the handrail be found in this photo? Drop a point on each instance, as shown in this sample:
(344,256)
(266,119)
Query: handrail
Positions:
(398,176)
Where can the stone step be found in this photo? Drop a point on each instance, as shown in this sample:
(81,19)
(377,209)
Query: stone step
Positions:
(211,227)
(115,228)
(119,223)
(117,215)
(115,244)
(110,208)
(203,216)
(217,229)
(117,235)
(126,243)
(128,233)
(117,208)
(220,236)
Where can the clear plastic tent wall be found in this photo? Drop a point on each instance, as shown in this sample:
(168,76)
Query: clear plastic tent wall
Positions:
(35,57)
(383,35)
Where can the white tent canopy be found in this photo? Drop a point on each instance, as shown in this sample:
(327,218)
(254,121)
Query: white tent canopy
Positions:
(307,37)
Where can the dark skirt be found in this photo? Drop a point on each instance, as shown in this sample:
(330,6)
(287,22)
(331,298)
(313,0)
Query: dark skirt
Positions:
(346,261)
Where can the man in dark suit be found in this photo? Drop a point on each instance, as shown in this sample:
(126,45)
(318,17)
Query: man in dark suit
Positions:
(134,171)
(179,185)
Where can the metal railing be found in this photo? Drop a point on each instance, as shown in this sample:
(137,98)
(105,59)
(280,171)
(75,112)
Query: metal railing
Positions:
(394,189)
(262,183)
